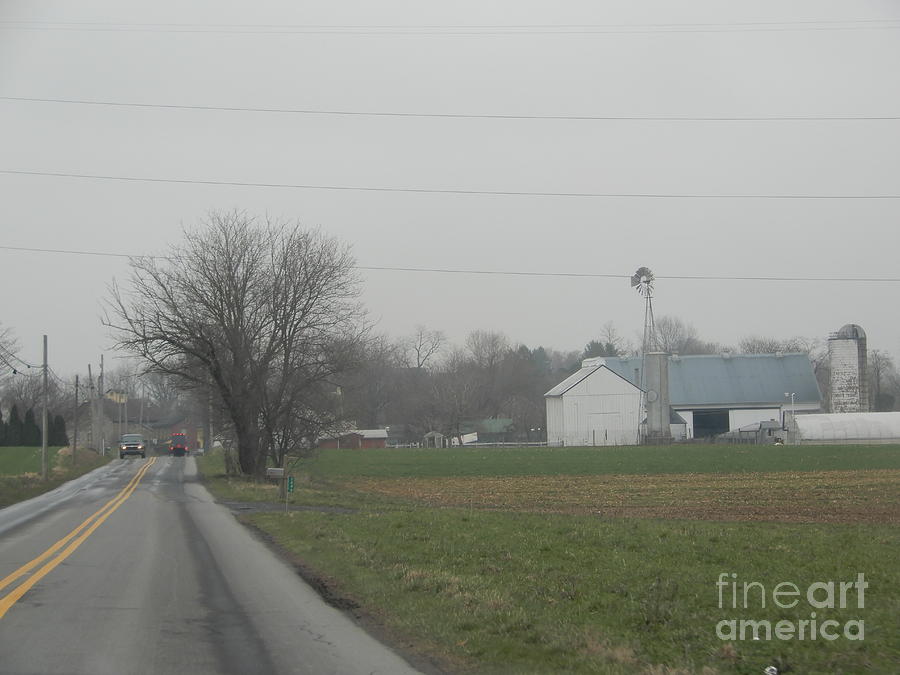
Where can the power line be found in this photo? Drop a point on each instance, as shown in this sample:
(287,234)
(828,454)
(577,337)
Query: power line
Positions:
(74,252)
(628,276)
(448,191)
(388,26)
(514,273)
(60,381)
(5,357)
(484,116)
(7,353)
(457,30)
(16,370)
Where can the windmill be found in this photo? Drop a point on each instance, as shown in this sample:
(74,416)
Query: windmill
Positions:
(654,376)
(642,282)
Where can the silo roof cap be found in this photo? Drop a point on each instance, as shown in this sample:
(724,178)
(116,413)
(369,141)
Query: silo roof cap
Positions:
(851,331)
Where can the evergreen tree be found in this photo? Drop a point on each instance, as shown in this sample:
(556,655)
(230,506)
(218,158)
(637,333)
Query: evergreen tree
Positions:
(51,430)
(599,348)
(2,430)
(57,432)
(14,427)
(31,432)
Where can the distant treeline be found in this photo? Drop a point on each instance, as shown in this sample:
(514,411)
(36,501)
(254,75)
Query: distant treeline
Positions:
(17,431)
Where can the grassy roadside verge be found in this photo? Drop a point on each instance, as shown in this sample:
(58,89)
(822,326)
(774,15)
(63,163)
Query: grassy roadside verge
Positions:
(505,591)
(20,471)
(534,593)
(307,492)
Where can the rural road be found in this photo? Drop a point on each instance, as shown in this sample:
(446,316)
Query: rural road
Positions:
(146,574)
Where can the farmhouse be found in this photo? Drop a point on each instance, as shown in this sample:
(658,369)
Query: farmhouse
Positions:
(601,404)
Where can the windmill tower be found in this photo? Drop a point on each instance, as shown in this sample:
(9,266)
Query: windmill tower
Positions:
(642,282)
(654,378)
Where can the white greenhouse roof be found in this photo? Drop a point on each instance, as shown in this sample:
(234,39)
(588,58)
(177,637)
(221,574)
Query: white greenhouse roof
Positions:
(849,427)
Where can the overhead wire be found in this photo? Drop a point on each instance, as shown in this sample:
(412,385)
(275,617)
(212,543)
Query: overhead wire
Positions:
(446,30)
(60,381)
(16,369)
(9,354)
(12,368)
(465,116)
(6,354)
(515,273)
(450,191)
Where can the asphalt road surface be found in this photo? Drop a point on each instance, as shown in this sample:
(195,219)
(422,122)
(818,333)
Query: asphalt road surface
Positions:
(134,569)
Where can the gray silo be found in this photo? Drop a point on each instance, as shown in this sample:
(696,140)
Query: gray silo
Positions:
(656,383)
(848,359)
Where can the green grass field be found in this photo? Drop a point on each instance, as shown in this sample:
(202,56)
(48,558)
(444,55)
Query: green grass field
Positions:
(593,461)
(508,561)
(16,461)
(20,469)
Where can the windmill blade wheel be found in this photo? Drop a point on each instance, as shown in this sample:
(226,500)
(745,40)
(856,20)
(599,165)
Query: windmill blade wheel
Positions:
(642,280)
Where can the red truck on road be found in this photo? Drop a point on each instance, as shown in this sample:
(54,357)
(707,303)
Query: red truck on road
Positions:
(178,446)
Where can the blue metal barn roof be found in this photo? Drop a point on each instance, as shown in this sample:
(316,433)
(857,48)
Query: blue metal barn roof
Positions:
(724,380)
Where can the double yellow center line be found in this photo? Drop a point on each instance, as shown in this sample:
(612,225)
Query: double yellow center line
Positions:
(68,546)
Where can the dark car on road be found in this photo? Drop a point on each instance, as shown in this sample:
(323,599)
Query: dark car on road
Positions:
(132,444)
(178,446)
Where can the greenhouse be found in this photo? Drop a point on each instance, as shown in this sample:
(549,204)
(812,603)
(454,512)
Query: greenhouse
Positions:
(881,427)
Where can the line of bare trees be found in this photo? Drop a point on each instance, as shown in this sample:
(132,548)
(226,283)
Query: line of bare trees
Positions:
(423,383)
(261,323)
(443,387)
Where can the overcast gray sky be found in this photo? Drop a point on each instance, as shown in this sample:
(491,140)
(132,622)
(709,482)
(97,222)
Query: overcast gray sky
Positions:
(579,59)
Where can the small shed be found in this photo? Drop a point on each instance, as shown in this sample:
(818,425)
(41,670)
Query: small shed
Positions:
(356,439)
(435,439)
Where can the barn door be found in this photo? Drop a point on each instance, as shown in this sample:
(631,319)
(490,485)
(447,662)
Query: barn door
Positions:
(605,429)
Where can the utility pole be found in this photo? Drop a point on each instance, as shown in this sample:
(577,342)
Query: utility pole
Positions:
(100,395)
(75,430)
(44,471)
(93,405)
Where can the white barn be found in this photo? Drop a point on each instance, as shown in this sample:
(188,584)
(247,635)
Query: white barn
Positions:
(595,406)
(708,395)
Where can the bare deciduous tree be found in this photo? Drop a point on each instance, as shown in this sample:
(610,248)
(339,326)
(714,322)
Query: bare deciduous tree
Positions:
(456,388)
(487,349)
(881,373)
(373,388)
(162,389)
(264,314)
(757,344)
(675,336)
(422,346)
(9,361)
